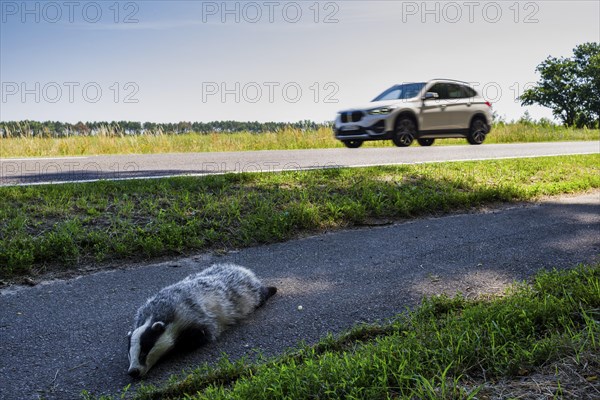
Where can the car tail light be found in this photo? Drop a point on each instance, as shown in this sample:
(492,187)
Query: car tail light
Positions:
(487,103)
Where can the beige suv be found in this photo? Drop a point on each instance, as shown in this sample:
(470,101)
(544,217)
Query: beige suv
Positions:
(438,109)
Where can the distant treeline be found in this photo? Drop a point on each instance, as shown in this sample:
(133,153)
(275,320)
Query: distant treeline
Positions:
(126,128)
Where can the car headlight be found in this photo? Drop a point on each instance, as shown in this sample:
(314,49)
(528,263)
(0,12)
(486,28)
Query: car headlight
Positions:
(381,111)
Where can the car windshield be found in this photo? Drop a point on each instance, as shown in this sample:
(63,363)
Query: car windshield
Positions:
(400,92)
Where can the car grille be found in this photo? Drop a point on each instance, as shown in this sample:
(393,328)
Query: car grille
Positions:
(360,131)
(377,128)
(354,116)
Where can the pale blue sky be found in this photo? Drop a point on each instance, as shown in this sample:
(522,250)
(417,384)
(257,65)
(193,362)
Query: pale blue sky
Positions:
(174,62)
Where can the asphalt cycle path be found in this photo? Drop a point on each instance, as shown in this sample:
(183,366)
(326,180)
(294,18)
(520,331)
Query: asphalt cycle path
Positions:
(61,337)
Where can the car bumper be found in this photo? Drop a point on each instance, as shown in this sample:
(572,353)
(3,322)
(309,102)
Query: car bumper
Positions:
(369,128)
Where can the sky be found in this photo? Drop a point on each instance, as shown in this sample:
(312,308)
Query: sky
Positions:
(170,61)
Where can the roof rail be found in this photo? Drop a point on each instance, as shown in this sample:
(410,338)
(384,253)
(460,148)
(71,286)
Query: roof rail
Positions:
(446,79)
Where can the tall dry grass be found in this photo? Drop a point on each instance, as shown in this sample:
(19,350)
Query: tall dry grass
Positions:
(108,141)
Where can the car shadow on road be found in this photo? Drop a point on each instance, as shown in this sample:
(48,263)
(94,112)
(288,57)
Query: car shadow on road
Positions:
(91,175)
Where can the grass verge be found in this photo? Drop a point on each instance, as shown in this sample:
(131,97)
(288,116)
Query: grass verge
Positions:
(60,227)
(287,139)
(448,348)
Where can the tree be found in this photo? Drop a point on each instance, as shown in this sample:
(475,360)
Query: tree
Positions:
(81,129)
(570,87)
(587,59)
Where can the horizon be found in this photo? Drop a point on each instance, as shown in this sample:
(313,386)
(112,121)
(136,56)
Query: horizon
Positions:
(289,61)
(505,121)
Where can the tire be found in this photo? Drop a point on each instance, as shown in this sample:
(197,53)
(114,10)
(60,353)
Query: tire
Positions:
(477,131)
(352,144)
(405,131)
(425,142)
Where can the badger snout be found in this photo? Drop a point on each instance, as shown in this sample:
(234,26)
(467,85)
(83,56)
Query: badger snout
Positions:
(134,372)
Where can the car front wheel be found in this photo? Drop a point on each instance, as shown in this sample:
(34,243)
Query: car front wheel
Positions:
(477,131)
(352,144)
(405,132)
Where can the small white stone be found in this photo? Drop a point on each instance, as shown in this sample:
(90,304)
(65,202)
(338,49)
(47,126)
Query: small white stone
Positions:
(299,308)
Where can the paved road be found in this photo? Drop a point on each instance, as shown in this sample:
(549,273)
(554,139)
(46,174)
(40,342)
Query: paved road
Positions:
(64,336)
(56,170)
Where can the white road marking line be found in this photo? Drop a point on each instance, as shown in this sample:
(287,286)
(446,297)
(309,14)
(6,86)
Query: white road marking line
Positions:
(468,159)
(43,158)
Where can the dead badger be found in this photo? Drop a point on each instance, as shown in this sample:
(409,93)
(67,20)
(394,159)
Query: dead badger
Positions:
(192,312)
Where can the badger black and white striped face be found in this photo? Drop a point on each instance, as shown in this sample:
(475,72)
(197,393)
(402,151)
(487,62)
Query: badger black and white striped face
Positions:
(147,344)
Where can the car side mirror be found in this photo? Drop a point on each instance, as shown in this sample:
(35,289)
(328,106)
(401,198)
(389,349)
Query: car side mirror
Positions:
(430,95)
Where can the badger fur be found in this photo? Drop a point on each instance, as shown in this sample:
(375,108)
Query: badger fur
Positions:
(192,312)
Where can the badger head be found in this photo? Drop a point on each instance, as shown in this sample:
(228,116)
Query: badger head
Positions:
(147,344)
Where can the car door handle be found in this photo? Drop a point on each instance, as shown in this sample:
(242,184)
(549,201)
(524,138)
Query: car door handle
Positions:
(443,106)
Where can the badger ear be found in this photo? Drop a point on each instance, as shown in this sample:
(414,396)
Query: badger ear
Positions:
(158,326)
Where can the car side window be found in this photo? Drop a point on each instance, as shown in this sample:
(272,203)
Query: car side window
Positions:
(441,89)
(455,92)
(468,92)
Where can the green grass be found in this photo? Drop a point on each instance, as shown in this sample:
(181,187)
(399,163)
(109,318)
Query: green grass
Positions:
(287,139)
(447,348)
(61,227)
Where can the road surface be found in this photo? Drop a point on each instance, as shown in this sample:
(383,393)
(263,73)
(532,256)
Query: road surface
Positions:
(62,337)
(27,171)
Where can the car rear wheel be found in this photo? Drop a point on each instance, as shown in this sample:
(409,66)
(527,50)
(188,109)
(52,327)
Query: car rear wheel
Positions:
(405,132)
(425,142)
(352,144)
(477,131)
